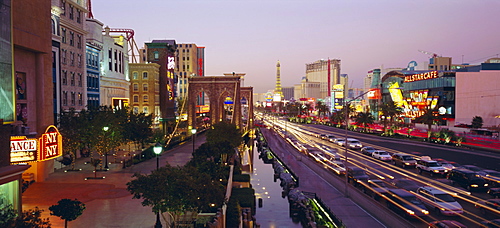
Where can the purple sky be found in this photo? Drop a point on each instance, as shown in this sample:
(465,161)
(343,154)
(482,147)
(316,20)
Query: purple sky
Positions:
(251,35)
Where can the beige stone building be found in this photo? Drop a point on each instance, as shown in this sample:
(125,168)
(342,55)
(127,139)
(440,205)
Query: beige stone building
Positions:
(145,88)
(326,72)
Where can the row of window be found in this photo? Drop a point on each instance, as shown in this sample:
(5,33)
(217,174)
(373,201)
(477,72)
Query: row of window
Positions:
(145,98)
(116,60)
(145,87)
(73,98)
(92,60)
(71,62)
(135,75)
(73,81)
(69,36)
(145,110)
(71,12)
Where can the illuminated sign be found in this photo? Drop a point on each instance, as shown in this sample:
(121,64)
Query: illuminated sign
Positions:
(50,144)
(228,100)
(22,149)
(338,89)
(277,97)
(396,94)
(202,108)
(170,63)
(373,94)
(422,76)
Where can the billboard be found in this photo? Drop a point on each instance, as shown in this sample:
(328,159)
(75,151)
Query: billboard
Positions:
(7,92)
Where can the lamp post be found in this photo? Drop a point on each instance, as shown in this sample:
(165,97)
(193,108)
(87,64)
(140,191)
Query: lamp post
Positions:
(347,104)
(106,152)
(158,148)
(193,134)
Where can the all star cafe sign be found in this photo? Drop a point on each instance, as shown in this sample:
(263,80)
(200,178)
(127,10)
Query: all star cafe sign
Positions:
(48,146)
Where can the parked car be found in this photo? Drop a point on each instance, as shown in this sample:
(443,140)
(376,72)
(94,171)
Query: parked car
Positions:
(489,207)
(404,160)
(381,155)
(439,201)
(356,175)
(406,184)
(446,224)
(467,179)
(354,144)
(406,203)
(425,164)
(368,150)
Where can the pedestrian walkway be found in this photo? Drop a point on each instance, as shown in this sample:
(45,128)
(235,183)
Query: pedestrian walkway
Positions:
(107,201)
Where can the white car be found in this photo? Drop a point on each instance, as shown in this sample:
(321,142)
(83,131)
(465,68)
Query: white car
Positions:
(382,155)
(439,201)
(339,141)
(354,144)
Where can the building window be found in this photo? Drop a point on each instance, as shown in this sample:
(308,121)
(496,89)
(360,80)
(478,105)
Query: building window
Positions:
(72,58)
(80,99)
(72,82)
(64,52)
(156,55)
(144,75)
(79,79)
(79,41)
(136,87)
(71,11)
(79,60)
(116,60)
(78,16)
(135,75)
(136,99)
(145,98)
(64,77)
(71,38)
(136,110)
(146,111)
(73,97)
(63,7)
(65,98)
(110,59)
(63,35)
(145,87)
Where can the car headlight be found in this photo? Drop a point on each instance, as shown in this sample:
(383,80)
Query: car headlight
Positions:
(474,185)
(425,212)
(485,185)
(410,212)
(407,163)
(436,171)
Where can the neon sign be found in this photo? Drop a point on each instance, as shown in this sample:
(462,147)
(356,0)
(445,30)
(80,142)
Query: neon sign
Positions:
(422,76)
(48,146)
(22,149)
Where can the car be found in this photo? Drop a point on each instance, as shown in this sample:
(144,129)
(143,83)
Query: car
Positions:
(406,184)
(381,155)
(321,136)
(439,201)
(404,160)
(329,137)
(495,223)
(467,179)
(446,224)
(339,141)
(337,167)
(405,203)
(354,144)
(376,188)
(495,192)
(368,150)
(356,175)
(425,164)
(445,164)
(474,168)
(492,176)
(489,207)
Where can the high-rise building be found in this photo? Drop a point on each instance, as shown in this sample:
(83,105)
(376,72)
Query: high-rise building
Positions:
(56,12)
(162,52)
(93,47)
(114,71)
(190,63)
(288,93)
(73,81)
(326,72)
(145,89)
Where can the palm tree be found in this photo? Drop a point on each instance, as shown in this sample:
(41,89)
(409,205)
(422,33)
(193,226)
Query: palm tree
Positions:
(322,109)
(477,122)
(429,117)
(364,118)
(390,111)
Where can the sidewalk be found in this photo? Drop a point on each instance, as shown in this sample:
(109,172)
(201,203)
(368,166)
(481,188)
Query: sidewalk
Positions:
(107,201)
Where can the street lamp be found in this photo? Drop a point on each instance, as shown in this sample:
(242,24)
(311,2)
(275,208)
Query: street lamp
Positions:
(347,104)
(158,148)
(193,133)
(106,152)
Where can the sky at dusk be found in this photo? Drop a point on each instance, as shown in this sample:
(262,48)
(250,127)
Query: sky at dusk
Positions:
(250,36)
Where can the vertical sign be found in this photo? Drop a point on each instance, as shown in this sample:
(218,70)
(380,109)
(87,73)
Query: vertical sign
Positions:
(50,144)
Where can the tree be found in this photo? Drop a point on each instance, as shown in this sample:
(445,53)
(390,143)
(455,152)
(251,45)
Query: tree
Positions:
(322,109)
(364,119)
(224,131)
(390,110)
(138,129)
(477,122)
(30,219)
(67,209)
(428,118)
(177,190)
